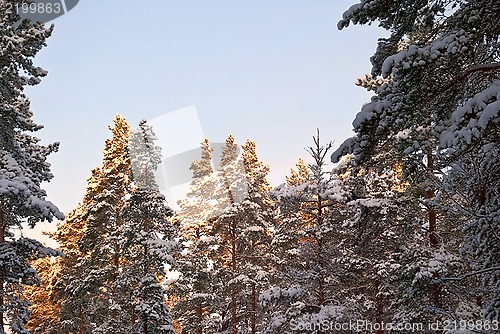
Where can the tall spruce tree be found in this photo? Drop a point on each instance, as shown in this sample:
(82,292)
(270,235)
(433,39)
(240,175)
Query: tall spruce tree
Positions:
(23,165)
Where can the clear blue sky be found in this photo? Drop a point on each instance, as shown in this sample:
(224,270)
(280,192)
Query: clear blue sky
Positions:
(272,71)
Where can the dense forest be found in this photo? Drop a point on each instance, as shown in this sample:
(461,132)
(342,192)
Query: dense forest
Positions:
(395,230)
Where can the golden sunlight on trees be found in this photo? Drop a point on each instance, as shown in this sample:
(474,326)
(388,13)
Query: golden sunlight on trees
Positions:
(402,227)
(46,306)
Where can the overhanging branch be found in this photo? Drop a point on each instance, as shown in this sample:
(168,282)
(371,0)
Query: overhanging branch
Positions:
(464,276)
(462,76)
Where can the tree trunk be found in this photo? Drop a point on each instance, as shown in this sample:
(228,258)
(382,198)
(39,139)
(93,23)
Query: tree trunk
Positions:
(319,222)
(199,314)
(321,292)
(429,194)
(116,255)
(233,287)
(134,316)
(433,240)
(81,322)
(2,240)
(380,310)
(233,264)
(254,309)
(321,283)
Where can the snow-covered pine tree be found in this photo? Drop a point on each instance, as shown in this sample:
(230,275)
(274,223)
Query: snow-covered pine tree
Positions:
(259,213)
(72,289)
(436,84)
(470,141)
(231,183)
(148,241)
(470,194)
(45,308)
(197,207)
(23,166)
(196,285)
(381,244)
(287,236)
(102,238)
(242,233)
(306,243)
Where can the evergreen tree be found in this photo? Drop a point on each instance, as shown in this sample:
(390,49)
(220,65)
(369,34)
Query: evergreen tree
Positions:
(384,248)
(148,241)
(198,207)
(102,237)
(117,243)
(227,237)
(307,243)
(23,166)
(71,286)
(436,85)
(196,285)
(471,190)
(259,213)
(45,308)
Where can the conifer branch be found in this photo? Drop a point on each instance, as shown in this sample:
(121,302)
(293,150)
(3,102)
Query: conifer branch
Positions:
(464,276)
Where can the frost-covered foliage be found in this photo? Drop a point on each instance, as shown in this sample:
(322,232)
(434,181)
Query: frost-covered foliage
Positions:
(307,245)
(44,318)
(102,238)
(23,165)
(435,113)
(474,187)
(440,81)
(226,220)
(243,231)
(145,156)
(117,243)
(198,206)
(147,241)
(196,287)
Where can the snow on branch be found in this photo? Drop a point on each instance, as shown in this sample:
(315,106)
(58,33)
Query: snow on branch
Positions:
(464,276)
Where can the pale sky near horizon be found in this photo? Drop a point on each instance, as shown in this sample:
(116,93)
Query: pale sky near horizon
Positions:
(271,71)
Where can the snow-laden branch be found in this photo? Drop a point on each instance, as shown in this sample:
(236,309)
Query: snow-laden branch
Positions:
(480,68)
(462,76)
(464,276)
